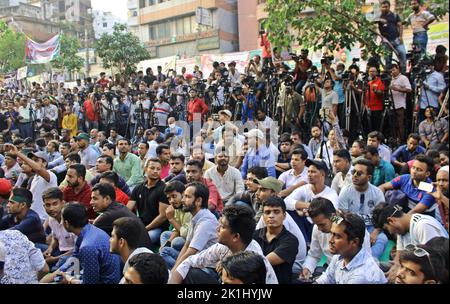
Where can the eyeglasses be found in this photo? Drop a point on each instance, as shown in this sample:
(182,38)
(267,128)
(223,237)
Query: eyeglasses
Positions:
(358,173)
(420,253)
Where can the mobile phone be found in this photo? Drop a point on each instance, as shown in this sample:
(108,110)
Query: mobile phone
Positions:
(427,187)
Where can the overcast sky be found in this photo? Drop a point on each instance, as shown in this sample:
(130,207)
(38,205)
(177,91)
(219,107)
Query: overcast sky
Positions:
(116,7)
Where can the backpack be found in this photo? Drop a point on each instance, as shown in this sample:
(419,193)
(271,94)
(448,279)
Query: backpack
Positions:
(310,94)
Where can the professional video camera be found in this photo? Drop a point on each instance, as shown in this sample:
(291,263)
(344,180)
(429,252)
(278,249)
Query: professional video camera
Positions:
(237,90)
(267,70)
(312,76)
(249,81)
(326,60)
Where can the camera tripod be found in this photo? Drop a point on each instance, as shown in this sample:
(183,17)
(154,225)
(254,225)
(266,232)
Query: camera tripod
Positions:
(350,100)
(388,113)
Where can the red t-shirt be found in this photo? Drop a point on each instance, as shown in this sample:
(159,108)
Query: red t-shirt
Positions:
(121,197)
(196,106)
(165,171)
(214,196)
(375,101)
(83,197)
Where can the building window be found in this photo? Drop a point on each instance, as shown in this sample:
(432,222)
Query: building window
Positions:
(179,27)
(152,33)
(187,25)
(105,24)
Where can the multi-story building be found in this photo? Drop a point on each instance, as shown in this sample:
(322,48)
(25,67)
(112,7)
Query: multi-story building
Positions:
(170,27)
(104,23)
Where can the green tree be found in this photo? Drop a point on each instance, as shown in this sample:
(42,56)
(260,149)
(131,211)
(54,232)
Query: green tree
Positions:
(68,58)
(12,49)
(121,50)
(331,23)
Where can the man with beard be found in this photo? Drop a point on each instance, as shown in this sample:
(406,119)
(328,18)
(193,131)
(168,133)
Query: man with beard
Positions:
(128,165)
(199,154)
(360,198)
(105,163)
(87,153)
(173,241)
(352,264)
(194,174)
(202,229)
(176,169)
(78,190)
(151,202)
(228,180)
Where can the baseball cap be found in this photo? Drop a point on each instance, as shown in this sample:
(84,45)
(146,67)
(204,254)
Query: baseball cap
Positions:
(226,112)
(39,154)
(5,186)
(319,164)
(270,182)
(81,136)
(255,133)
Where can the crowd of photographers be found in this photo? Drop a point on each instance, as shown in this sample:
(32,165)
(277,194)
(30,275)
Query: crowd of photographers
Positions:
(272,175)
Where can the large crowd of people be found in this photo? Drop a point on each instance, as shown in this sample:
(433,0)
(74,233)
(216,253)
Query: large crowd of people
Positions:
(263,177)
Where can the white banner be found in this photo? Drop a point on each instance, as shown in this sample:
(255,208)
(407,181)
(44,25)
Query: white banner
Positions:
(166,63)
(22,73)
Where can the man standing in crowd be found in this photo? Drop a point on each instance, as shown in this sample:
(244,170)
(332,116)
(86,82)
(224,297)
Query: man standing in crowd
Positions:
(87,152)
(400,87)
(419,21)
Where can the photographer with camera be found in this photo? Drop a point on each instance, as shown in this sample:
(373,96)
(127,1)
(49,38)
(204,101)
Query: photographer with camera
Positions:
(25,118)
(302,65)
(233,75)
(254,66)
(391,29)
(433,85)
(400,87)
(374,100)
(293,108)
(217,90)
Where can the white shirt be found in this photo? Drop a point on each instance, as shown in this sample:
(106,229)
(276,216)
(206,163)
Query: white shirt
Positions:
(399,98)
(422,228)
(88,157)
(216,253)
(293,228)
(320,245)
(38,186)
(305,194)
(135,252)
(362,269)
(229,184)
(66,240)
(289,178)
(338,183)
(384,152)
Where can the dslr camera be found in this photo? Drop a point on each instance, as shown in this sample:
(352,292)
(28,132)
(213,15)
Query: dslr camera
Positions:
(326,60)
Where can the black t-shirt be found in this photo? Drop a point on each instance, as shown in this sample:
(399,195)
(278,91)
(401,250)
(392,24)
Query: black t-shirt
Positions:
(389,30)
(285,245)
(30,225)
(117,210)
(3,122)
(147,202)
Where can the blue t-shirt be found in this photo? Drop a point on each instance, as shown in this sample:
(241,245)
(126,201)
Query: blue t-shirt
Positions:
(405,184)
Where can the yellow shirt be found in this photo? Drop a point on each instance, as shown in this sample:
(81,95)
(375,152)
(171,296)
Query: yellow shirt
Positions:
(70,122)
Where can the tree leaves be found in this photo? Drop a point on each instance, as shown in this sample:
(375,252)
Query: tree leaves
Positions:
(121,50)
(68,59)
(12,49)
(332,23)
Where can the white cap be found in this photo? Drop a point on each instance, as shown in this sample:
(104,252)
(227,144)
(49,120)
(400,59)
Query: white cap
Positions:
(255,133)
(445,169)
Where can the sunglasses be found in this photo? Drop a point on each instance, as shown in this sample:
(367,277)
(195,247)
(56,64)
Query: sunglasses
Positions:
(420,253)
(397,208)
(358,173)
(337,219)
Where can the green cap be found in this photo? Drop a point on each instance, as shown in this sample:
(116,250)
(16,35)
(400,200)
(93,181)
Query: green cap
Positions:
(84,136)
(270,183)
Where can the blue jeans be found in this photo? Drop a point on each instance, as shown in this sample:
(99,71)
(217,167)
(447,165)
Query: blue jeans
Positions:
(154,235)
(176,243)
(299,86)
(400,48)
(26,129)
(380,243)
(169,255)
(421,40)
